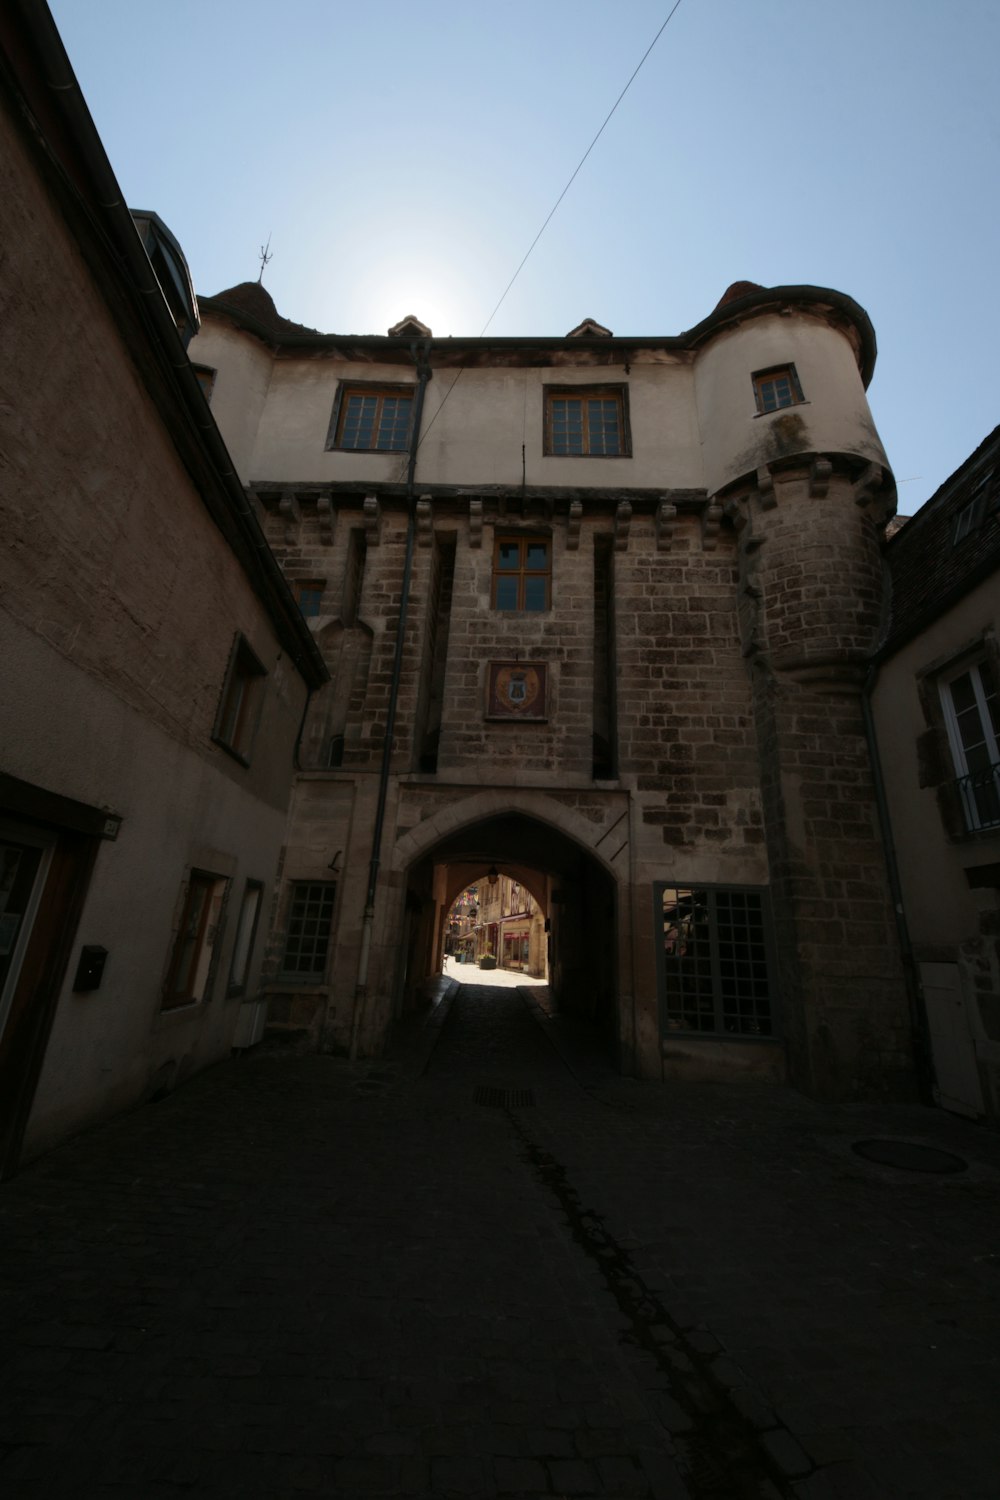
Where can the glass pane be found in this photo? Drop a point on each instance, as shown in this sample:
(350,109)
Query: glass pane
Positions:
(359,419)
(536,555)
(535,591)
(509,555)
(506,595)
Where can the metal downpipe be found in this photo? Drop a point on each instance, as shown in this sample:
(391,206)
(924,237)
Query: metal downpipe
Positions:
(361,986)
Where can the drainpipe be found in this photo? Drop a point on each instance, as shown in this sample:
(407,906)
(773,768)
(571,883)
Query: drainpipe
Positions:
(420,358)
(918,1015)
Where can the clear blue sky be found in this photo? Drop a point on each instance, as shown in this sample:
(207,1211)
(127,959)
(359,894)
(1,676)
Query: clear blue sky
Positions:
(403,157)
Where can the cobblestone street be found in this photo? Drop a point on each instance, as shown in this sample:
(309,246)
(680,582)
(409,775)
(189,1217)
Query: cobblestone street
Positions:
(487,1266)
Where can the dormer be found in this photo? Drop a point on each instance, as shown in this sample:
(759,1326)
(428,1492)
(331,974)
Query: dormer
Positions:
(410,327)
(589,329)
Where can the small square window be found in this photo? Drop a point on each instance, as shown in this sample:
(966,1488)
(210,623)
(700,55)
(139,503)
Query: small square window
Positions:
(239,707)
(369,418)
(522,574)
(191,969)
(774,389)
(307,941)
(586,421)
(309,596)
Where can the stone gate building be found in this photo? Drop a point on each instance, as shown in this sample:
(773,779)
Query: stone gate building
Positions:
(597,612)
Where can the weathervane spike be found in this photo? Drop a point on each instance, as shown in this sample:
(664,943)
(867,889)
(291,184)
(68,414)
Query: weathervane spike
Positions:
(264,258)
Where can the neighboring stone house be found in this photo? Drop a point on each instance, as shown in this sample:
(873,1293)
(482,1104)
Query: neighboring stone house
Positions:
(510,926)
(155,666)
(937,714)
(597,612)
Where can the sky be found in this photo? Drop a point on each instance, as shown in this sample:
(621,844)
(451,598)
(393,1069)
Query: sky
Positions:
(402,158)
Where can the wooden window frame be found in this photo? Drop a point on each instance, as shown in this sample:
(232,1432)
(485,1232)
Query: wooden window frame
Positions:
(205,942)
(240,702)
(762,378)
(521,540)
(362,388)
(616,393)
(316,586)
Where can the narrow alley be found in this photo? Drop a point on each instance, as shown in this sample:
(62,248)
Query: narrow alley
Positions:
(488,1266)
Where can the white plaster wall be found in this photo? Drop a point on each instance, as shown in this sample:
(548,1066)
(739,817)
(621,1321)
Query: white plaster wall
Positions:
(834,417)
(940,907)
(474,427)
(243,373)
(77,738)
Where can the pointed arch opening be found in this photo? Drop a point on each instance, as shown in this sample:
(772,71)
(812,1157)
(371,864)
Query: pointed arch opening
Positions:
(566,935)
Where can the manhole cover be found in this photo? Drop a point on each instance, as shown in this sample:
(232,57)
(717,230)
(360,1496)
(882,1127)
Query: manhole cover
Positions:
(503,1098)
(909,1156)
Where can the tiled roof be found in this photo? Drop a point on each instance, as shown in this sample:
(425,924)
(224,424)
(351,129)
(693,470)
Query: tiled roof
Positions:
(736,290)
(928,566)
(252,304)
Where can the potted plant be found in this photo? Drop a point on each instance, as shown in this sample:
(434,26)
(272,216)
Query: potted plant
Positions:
(488,960)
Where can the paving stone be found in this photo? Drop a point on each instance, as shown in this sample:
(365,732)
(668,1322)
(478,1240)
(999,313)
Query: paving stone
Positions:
(573,1477)
(786,1452)
(429,1300)
(515,1474)
(463,1476)
(621,1475)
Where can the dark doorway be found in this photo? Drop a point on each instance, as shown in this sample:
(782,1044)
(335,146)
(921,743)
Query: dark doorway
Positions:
(578,905)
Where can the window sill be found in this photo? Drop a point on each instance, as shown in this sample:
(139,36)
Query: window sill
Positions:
(779,409)
(291,986)
(729,1037)
(372,452)
(175,1014)
(587,455)
(229,749)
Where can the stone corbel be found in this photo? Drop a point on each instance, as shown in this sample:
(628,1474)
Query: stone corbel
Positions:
(573,525)
(475,523)
(623,520)
(372,513)
(326,516)
(736,512)
(710,521)
(288,510)
(819,479)
(765,488)
(666,517)
(425,521)
(867,485)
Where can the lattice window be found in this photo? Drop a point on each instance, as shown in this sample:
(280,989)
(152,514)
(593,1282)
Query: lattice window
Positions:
(307,941)
(715,963)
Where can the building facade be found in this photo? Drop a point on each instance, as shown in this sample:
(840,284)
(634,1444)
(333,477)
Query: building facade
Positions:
(597,613)
(155,666)
(937,714)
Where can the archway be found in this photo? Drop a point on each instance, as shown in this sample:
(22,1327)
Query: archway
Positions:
(575,892)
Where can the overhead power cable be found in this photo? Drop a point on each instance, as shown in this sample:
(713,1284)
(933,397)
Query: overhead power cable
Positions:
(579,164)
(551,213)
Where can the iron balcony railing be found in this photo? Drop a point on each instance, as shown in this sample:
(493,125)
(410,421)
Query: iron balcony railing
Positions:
(979,793)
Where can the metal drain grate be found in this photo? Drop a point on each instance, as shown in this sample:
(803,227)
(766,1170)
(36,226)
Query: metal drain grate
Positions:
(909,1156)
(503,1098)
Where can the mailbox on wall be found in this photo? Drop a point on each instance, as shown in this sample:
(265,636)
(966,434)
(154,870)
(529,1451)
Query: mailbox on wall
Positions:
(90,969)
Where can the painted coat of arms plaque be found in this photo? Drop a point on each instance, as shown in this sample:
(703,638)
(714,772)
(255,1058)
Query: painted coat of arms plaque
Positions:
(516,690)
